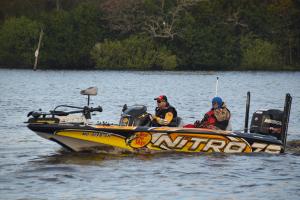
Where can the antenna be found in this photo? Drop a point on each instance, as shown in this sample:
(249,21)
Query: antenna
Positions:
(217,83)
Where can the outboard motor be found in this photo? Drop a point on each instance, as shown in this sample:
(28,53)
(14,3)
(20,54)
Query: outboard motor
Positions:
(270,122)
(267,122)
(135,115)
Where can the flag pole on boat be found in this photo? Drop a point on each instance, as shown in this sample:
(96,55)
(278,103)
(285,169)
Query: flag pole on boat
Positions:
(36,53)
(217,83)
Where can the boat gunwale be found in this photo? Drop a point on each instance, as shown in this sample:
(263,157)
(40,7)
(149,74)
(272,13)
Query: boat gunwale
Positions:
(52,128)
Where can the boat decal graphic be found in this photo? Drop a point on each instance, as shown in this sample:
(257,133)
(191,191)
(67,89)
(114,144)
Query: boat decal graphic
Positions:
(189,142)
(268,148)
(92,133)
(139,139)
(96,133)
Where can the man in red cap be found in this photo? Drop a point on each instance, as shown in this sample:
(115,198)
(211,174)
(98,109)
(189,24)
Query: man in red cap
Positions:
(165,114)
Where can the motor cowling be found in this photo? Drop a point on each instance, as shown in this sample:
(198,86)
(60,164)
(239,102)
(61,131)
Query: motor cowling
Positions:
(135,115)
(267,122)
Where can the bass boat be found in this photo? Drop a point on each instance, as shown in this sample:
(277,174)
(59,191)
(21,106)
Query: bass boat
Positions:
(74,131)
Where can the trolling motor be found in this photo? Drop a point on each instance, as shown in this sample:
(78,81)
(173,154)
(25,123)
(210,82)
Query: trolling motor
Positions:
(91,91)
(55,115)
(272,122)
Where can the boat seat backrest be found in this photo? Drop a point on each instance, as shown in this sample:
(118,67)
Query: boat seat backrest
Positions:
(177,122)
(229,126)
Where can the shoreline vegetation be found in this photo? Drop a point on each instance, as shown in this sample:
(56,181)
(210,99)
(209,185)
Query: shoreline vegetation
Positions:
(233,35)
(220,69)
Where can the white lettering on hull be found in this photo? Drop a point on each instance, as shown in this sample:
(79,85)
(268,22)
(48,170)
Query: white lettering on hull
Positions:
(235,147)
(182,144)
(258,146)
(215,145)
(197,142)
(226,145)
(272,148)
(165,139)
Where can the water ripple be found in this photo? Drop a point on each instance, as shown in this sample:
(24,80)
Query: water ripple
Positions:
(33,168)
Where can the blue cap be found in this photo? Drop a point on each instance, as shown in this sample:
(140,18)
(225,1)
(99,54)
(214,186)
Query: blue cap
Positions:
(218,100)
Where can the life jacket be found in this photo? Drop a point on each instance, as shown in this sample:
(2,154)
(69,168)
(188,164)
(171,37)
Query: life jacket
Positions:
(161,113)
(211,119)
(217,122)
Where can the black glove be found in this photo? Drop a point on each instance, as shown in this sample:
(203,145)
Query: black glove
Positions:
(205,118)
(197,124)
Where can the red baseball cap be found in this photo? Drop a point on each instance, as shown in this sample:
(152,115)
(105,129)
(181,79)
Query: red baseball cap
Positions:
(161,98)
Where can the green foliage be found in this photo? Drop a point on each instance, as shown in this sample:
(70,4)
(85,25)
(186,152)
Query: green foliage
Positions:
(208,48)
(165,60)
(18,41)
(33,8)
(69,37)
(136,52)
(151,34)
(259,54)
(205,41)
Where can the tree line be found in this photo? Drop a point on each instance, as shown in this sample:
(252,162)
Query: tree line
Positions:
(151,34)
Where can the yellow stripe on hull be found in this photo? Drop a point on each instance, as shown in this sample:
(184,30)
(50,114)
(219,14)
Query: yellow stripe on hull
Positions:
(162,141)
(96,136)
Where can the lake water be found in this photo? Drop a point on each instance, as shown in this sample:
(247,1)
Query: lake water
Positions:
(34,168)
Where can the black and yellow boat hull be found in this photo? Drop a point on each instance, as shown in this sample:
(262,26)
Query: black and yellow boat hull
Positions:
(155,139)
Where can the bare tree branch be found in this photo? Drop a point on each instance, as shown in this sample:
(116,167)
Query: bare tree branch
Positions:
(164,25)
(123,15)
(235,19)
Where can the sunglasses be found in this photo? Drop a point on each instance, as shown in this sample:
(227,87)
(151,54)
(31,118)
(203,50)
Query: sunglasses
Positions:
(159,101)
